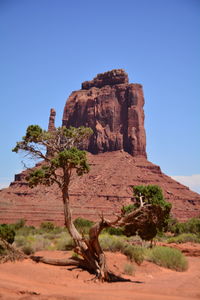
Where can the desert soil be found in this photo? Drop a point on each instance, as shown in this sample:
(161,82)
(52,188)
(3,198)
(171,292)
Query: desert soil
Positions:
(27,280)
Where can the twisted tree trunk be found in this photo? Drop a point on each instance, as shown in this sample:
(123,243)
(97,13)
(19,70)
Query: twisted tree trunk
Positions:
(93,258)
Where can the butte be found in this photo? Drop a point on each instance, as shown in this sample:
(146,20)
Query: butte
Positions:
(113,108)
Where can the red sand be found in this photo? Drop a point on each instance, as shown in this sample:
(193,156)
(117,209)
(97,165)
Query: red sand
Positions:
(28,280)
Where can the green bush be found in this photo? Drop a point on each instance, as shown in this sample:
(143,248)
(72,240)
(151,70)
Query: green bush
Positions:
(134,253)
(83,225)
(191,226)
(19,224)
(184,238)
(7,233)
(47,226)
(26,230)
(111,243)
(113,231)
(128,269)
(28,249)
(20,241)
(168,258)
(64,243)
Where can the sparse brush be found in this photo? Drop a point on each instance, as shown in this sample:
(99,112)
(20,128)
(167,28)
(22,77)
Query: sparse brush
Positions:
(134,253)
(168,258)
(65,243)
(112,243)
(20,241)
(184,238)
(47,226)
(28,249)
(128,269)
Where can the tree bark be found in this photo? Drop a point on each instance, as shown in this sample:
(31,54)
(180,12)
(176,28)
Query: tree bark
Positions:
(93,257)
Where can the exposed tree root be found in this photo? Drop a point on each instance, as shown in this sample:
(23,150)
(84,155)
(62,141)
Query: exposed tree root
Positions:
(79,263)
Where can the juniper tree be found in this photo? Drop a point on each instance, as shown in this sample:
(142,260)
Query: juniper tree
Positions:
(61,156)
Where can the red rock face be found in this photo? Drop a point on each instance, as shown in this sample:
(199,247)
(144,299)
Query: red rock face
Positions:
(51,126)
(106,188)
(113,108)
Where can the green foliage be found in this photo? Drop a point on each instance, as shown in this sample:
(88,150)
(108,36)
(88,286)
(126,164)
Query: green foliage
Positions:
(81,222)
(168,258)
(152,194)
(126,209)
(112,243)
(28,249)
(47,226)
(184,238)
(19,224)
(64,243)
(7,233)
(191,226)
(116,243)
(114,230)
(134,253)
(59,150)
(154,216)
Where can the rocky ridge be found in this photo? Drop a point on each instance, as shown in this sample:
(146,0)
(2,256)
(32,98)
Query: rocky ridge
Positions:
(105,189)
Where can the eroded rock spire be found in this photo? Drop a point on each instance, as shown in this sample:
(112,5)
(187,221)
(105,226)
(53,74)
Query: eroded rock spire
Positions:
(113,108)
(51,126)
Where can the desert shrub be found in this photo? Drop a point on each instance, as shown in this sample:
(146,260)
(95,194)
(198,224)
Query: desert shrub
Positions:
(184,238)
(64,243)
(26,230)
(7,233)
(39,243)
(113,231)
(36,242)
(83,224)
(191,226)
(20,241)
(28,249)
(111,243)
(19,224)
(134,253)
(47,226)
(168,258)
(128,269)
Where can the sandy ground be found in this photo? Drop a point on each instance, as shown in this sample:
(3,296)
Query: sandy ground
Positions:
(28,280)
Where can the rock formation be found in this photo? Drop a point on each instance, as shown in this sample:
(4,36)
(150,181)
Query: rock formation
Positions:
(51,126)
(105,189)
(113,108)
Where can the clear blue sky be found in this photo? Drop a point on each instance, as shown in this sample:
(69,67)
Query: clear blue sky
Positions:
(48,47)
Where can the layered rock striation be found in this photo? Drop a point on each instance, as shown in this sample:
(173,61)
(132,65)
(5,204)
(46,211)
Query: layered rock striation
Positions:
(105,189)
(113,108)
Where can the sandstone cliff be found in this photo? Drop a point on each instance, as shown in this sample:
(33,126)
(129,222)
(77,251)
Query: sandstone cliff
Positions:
(113,108)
